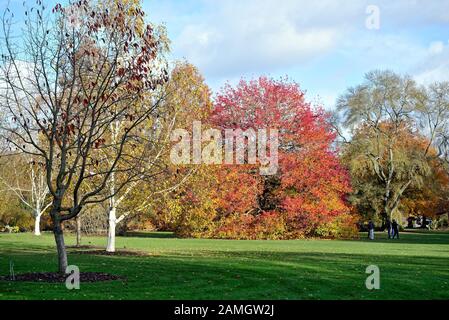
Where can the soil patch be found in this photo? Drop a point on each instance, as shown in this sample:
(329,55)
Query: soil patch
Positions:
(120,253)
(53,277)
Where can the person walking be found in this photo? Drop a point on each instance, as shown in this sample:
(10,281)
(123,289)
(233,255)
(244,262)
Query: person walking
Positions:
(388,226)
(395,228)
(371,230)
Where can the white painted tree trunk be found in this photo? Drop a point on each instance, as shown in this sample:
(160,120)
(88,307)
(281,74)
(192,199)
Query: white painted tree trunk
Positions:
(37,225)
(111,230)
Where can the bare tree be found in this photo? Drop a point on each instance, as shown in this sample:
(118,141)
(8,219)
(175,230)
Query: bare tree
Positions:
(87,67)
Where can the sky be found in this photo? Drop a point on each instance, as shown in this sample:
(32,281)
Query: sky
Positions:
(324,45)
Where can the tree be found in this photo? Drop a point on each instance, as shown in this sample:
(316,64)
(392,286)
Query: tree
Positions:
(433,114)
(26,179)
(186,97)
(410,168)
(182,193)
(385,107)
(13,212)
(154,132)
(310,186)
(432,199)
(88,67)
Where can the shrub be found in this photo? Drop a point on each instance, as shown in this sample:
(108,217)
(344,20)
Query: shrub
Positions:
(341,227)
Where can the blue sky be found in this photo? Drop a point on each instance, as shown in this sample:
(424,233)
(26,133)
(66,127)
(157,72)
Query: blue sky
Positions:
(324,45)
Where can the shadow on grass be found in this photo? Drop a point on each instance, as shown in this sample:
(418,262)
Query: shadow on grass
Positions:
(240,275)
(206,272)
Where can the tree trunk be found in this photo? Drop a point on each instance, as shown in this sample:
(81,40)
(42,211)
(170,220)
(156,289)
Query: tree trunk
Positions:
(386,202)
(60,246)
(111,230)
(78,231)
(388,213)
(37,223)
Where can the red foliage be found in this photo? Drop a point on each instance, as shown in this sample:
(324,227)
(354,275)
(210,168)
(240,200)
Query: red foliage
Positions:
(237,190)
(311,184)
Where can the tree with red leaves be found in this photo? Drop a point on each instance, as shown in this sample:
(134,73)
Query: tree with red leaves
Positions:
(310,187)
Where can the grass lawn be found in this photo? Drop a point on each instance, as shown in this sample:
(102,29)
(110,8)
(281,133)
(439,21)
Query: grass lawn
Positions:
(415,267)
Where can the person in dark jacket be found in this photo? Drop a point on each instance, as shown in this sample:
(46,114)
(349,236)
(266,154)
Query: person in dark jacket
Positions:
(395,228)
(371,230)
(388,226)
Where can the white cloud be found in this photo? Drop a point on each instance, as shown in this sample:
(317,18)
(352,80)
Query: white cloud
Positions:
(234,36)
(247,36)
(225,54)
(323,44)
(434,65)
(436,47)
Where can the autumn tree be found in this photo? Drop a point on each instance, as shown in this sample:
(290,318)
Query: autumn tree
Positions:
(87,67)
(25,178)
(310,185)
(407,152)
(432,199)
(433,114)
(13,212)
(182,191)
(154,132)
(380,113)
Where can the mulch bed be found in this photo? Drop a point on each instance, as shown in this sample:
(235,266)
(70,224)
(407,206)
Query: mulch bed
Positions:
(81,247)
(53,277)
(120,253)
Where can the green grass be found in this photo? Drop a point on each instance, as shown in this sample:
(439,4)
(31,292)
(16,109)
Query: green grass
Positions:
(415,267)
